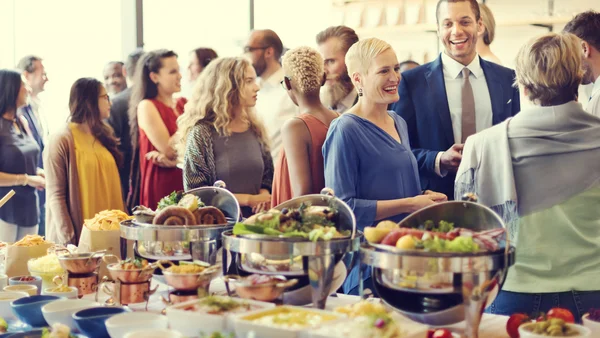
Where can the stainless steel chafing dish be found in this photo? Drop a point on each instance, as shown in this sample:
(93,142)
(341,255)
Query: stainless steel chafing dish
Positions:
(188,242)
(442,288)
(293,257)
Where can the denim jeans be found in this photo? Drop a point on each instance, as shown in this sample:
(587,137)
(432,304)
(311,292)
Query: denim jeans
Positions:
(578,302)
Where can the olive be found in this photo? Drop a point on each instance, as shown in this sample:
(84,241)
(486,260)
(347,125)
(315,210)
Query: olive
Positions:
(285,211)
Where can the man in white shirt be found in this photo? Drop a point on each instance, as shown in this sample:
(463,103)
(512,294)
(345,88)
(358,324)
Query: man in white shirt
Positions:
(264,49)
(34,74)
(453,97)
(338,92)
(586,26)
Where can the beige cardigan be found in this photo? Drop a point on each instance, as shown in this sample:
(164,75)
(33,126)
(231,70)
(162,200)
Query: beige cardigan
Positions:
(64,218)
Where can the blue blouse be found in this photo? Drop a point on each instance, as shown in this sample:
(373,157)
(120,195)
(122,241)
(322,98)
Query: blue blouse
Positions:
(363,165)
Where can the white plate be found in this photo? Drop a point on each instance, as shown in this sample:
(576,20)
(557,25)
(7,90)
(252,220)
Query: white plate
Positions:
(245,327)
(192,323)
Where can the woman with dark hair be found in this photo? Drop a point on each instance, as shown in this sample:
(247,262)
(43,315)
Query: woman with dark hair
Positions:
(18,163)
(153,117)
(81,165)
(199,59)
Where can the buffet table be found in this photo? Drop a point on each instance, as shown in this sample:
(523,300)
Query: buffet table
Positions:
(492,326)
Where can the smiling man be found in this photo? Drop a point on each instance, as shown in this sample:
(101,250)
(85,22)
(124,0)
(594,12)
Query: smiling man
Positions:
(114,77)
(453,97)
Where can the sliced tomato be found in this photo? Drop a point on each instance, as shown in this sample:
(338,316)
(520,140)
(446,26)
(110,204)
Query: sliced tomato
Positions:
(561,313)
(513,323)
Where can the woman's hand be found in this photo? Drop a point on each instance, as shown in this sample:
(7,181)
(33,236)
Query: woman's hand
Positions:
(260,202)
(421,201)
(37,182)
(161,160)
(436,196)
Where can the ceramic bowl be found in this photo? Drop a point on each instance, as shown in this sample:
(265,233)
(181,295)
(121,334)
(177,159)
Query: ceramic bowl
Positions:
(92,322)
(28,289)
(71,294)
(5,299)
(29,309)
(150,333)
(525,331)
(593,325)
(35,280)
(61,311)
(118,326)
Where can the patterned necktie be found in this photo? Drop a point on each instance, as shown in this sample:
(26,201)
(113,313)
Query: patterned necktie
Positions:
(468,107)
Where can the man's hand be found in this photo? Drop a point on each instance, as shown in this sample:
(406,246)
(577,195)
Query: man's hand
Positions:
(451,158)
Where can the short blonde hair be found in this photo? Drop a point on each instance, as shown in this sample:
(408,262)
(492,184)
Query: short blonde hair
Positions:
(361,55)
(550,68)
(304,67)
(489,23)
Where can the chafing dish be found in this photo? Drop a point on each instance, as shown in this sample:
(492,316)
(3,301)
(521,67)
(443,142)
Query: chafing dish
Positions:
(442,288)
(189,242)
(294,257)
(266,291)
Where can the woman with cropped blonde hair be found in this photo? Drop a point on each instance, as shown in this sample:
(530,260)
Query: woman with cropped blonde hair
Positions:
(223,138)
(540,172)
(368,159)
(486,37)
(299,169)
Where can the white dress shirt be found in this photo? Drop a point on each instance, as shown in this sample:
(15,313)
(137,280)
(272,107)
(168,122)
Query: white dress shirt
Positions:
(274,107)
(483,103)
(346,103)
(593,107)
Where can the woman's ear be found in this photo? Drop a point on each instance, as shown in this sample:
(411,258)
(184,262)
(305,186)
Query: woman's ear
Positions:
(324,80)
(356,80)
(154,77)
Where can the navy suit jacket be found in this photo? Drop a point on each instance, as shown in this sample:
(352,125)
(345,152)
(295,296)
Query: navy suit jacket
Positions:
(424,106)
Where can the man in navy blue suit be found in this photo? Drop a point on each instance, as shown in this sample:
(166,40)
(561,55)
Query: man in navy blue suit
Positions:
(453,97)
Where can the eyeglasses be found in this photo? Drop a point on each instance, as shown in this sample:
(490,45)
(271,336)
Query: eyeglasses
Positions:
(106,97)
(250,49)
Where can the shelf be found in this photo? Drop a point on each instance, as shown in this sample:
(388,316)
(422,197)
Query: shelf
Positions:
(432,28)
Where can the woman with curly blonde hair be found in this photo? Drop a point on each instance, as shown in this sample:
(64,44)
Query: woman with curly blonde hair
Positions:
(223,138)
(299,169)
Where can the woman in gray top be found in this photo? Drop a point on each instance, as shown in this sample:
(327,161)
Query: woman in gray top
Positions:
(223,138)
(18,163)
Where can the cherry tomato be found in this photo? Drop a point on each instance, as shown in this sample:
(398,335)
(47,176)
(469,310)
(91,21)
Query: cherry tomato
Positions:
(560,313)
(513,323)
(439,333)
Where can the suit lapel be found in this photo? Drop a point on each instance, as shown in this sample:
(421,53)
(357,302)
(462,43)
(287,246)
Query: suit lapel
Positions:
(437,88)
(496,92)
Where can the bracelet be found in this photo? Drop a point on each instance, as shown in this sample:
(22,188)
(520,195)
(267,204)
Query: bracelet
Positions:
(25,179)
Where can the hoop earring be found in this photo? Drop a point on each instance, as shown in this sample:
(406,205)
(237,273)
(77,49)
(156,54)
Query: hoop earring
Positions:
(360,92)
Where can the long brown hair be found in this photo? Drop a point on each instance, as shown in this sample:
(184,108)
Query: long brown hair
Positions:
(83,104)
(143,87)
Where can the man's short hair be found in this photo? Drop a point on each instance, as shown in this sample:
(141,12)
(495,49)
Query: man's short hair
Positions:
(408,62)
(586,26)
(27,63)
(345,34)
(271,39)
(474,7)
(132,60)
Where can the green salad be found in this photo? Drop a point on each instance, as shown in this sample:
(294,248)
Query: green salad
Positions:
(310,222)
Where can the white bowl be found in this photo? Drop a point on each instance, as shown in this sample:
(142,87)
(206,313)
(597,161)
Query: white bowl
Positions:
(593,325)
(118,326)
(5,298)
(583,331)
(192,323)
(244,323)
(149,333)
(62,310)
(71,294)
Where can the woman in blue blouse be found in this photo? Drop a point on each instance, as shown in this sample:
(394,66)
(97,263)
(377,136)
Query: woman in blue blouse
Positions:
(368,160)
